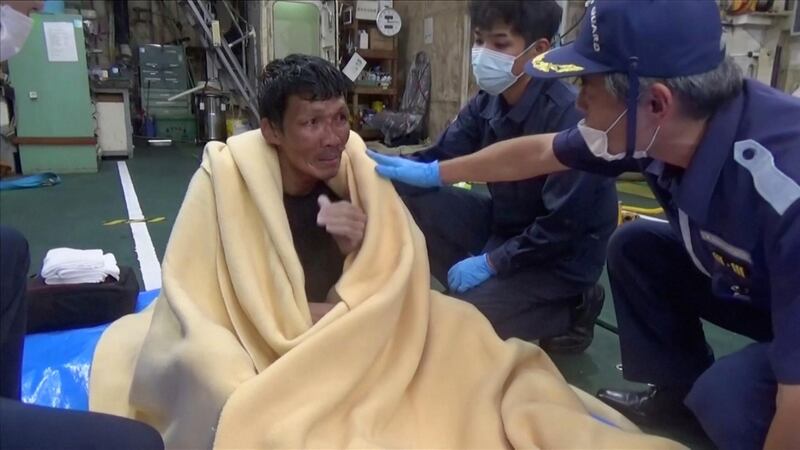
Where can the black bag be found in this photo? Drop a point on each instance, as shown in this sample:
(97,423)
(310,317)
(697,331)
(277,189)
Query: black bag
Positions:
(68,306)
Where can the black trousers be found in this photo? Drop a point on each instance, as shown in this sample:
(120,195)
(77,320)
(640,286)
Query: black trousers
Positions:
(14,265)
(28,426)
(528,304)
(659,298)
(24,426)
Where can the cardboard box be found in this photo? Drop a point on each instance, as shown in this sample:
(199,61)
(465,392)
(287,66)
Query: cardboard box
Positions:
(378,41)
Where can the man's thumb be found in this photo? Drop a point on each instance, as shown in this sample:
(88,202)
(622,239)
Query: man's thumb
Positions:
(322,201)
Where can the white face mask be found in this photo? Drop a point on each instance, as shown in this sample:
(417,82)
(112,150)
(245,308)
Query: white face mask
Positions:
(597,140)
(14,30)
(492,69)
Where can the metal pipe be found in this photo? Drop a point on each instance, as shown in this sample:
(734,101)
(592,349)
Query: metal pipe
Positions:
(245,36)
(233,17)
(185,93)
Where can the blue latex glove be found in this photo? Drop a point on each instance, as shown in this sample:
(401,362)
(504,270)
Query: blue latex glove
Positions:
(409,172)
(469,273)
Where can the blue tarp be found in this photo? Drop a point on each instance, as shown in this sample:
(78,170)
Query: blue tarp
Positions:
(55,366)
(32,181)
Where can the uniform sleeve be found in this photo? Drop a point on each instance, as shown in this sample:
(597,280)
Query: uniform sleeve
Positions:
(569,199)
(782,259)
(571,150)
(460,138)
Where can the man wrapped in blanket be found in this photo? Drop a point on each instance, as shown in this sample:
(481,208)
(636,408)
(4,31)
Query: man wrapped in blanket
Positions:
(296,311)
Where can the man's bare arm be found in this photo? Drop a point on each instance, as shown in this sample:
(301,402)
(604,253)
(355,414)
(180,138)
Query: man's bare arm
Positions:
(511,160)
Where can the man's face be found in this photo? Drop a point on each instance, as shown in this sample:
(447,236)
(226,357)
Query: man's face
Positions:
(313,136)
(502,38)
(499,38)
(24,6)
(601,109)
(15,26)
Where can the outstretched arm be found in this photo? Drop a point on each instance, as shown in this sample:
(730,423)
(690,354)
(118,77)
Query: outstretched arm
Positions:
(511,160)
(514,159)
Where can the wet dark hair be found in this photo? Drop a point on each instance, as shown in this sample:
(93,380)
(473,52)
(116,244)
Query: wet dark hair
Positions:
(531,19)
(308,77)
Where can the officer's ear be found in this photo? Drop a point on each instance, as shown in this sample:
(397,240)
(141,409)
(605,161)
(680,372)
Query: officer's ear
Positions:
(540,46)
(661,102)
(535,48)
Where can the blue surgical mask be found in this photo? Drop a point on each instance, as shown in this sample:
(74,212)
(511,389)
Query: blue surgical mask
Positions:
(492,69)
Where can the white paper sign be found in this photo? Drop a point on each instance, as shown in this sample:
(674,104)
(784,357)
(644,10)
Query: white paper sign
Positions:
(60,40)
(366,9)
(354,67)
(428,30)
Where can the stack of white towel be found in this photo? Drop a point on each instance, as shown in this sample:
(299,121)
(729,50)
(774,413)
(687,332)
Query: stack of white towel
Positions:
(71,266)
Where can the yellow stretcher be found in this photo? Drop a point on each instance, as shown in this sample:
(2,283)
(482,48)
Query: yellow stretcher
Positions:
(628,213)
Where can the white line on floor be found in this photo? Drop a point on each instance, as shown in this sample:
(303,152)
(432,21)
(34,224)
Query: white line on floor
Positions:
(143,244)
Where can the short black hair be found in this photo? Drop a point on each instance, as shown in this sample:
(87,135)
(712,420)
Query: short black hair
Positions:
(531,19)
(309,77)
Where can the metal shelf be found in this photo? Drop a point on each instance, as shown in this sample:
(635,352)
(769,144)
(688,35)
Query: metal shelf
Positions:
(374,90)
(368,53)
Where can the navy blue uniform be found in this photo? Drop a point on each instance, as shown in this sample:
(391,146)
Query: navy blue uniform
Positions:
(729,254)
(546,236)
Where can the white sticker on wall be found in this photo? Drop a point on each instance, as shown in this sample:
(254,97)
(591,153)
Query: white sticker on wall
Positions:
(428,30)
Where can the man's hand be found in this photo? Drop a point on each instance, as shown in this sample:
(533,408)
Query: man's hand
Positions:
(469,273)
(344,221)
(407,171)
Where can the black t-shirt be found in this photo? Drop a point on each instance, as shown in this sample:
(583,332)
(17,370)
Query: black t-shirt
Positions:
(319,255)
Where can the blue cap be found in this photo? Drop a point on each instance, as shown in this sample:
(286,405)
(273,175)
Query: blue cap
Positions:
(642,38)
(651,38)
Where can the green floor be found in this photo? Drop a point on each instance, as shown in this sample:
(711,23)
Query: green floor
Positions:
(73,214)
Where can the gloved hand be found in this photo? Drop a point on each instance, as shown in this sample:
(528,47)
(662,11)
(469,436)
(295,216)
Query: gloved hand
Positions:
(410,172)
(469,273)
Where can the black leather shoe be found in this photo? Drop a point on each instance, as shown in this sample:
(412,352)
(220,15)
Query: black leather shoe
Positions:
(581,333)
(650,407)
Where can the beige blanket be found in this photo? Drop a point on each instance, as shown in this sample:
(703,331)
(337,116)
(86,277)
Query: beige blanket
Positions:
(228,356)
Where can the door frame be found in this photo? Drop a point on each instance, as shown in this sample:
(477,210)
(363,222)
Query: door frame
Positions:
(329,21)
